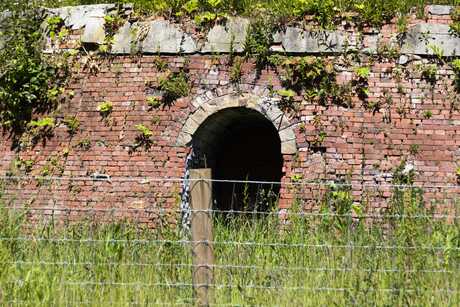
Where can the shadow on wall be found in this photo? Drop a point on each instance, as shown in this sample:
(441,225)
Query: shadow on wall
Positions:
(240,144)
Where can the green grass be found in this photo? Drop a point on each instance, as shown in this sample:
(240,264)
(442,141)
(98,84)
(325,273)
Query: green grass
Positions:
(259,261)
(371,11)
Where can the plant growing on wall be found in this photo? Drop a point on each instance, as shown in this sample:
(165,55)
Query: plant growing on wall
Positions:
(314,78)
(144,137)
(455,24)
(105,108)
(72,123)
(361,82)
(173,86)
(456,68)
(29,82)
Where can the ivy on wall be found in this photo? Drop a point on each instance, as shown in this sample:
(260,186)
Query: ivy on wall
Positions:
(30,83)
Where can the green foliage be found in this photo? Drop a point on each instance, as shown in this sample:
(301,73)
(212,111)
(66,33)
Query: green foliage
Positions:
(29,83)
(72,123)
(143,138)
(429,72)
(259,38)
(174,86)
(456,68)
(414,149)
(314,78)
(337,207)
(416,258)
(427,114)
(41,129)
(144,131)
(154,101)
(455,24)
(84,144)
(235,72)
(54,23)
(361,84)
(105,108)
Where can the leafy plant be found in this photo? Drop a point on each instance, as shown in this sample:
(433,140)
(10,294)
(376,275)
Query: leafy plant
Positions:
(414,149)
(455,24)
(174,86)
(41,129)
(29,82)
(314,78)
(84,144)
(429,73)
(427,114)
(361,83)
(144,136)
(72,123)
(259,39)
(456,69)
(105,108)
(154,101)
(235,70)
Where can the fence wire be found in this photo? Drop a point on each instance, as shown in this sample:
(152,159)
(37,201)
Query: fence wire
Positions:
(120,241)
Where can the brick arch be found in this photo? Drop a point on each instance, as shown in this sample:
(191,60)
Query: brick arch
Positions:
(265,106)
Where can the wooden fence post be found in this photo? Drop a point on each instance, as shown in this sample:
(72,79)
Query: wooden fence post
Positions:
(201,224)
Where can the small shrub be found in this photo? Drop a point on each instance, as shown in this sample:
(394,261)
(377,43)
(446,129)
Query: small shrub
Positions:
(105,108)
(455,24)
(42,128)
(154,101)
(361,81)
(72,123)
(456,68)
(414,149)
(429,73)
(427,114)
(235,70)
(144,137)
(84,144)
(174,86)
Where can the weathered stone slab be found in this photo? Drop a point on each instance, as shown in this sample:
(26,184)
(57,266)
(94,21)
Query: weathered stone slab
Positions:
(421,39)
(123,40)
(76,17)
(296,40)
(94,32)
(164,37)
(439,9)
(221,38)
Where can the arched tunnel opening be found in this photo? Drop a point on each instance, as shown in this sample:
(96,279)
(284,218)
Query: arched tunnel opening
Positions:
(240,144)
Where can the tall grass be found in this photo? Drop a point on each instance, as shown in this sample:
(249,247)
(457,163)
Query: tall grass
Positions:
(411,259)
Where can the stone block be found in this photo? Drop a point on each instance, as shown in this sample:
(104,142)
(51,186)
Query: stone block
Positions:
(76,17)
(122,41)
(296,40)
(422,38)
(94,32)
(288,147)
(221,37)
(439,9)
(164,37)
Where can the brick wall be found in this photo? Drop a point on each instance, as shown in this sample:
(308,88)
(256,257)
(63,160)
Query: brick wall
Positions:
(412,120)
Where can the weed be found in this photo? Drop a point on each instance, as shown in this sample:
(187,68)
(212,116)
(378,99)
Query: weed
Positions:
(105,108)
(72,123)
(427,114)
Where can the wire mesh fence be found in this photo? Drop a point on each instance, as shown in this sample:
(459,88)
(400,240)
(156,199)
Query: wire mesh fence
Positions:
(125,241)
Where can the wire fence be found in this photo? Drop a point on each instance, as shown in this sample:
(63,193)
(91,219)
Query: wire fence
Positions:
(126,241)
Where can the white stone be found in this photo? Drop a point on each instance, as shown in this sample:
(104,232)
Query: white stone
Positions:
(164,37)
(94,32)
(220,38)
